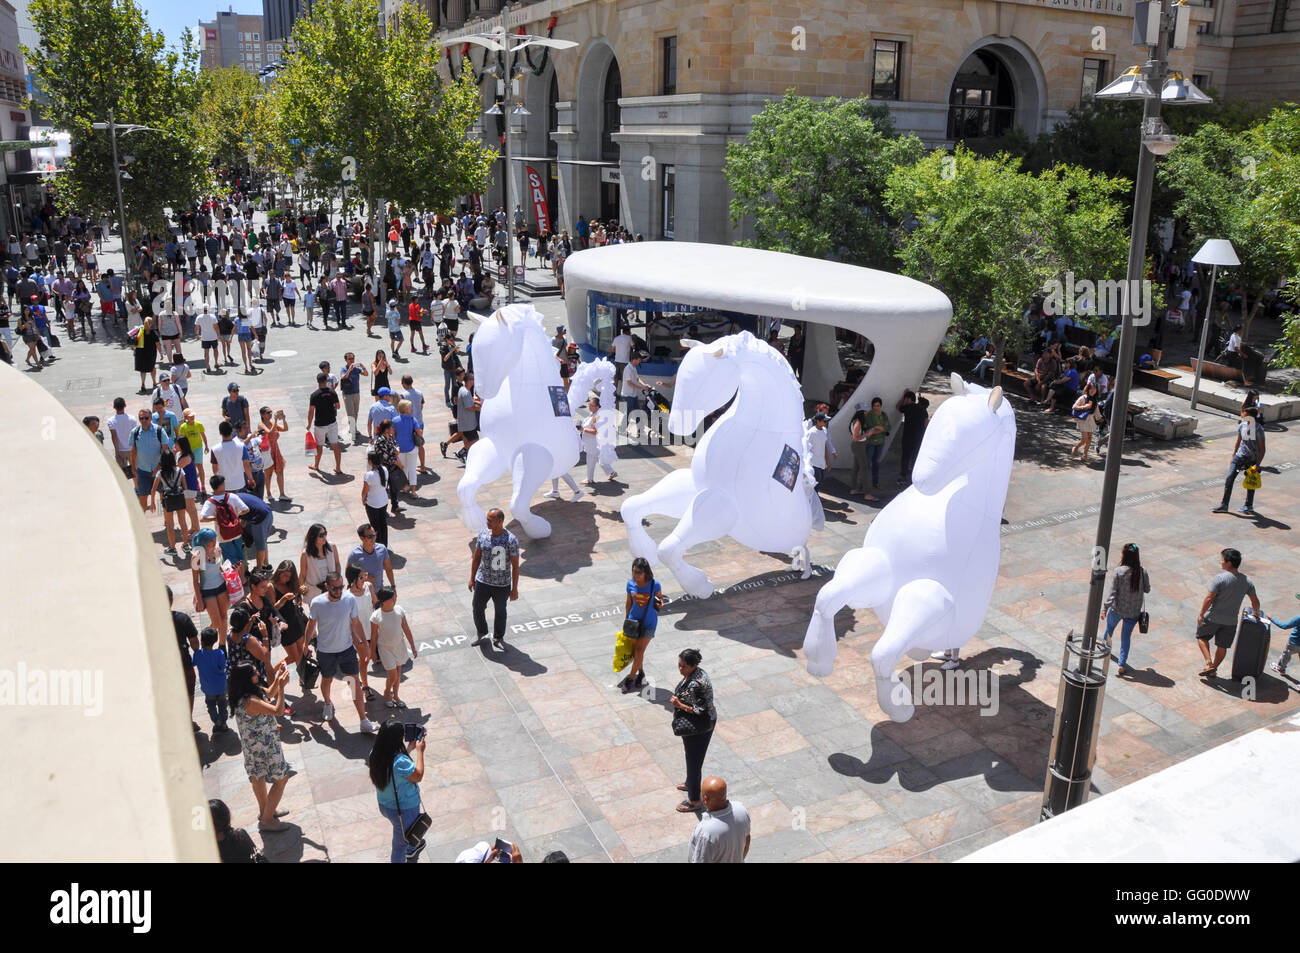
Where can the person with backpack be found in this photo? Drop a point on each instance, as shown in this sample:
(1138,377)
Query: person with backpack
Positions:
(225,509)
(169,481)
(147,442)
(258,522)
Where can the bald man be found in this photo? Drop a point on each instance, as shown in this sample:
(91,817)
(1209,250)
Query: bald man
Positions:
(722,835)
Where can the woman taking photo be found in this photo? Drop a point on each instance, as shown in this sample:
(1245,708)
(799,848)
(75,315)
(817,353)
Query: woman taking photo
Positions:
(289,594)
(210,593)
(693,719)
(269,431)
(379,372)
(396,778)
(146,354)
(641,611)
(374,495)
(318,559)
(256,712)
(1128,588)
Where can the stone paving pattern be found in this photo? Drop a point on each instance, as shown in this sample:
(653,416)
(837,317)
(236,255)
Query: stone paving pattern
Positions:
(534,745)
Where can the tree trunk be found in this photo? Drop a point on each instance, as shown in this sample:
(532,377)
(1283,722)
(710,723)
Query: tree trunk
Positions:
(999,347)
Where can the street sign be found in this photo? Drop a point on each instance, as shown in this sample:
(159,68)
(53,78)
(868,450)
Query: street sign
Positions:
(519,272)
(501,271)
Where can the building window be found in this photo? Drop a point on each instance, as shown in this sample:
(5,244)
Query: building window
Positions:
(1279,16)
(257,38)
(1201,81)
(612,118)
(887,69)
(670,66)
(670,201)
(1094,77)
(553,117)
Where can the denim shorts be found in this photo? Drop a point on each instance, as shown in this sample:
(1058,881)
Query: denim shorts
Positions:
(337,664)
(143,482)
(233,549)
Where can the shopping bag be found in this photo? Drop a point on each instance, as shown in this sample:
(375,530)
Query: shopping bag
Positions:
(624,648)
(234,586)
(310,442)
(1252,479)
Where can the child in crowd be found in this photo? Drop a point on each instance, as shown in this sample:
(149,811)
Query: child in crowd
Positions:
(210,661)
(387,626)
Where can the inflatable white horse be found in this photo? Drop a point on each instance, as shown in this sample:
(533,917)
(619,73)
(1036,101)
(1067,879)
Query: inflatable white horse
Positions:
(598,377)
(930,559)
(526,423)
(751,476)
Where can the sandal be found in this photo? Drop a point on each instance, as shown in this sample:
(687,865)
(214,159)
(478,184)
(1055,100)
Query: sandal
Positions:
(686,807)
(1208,670)
(681,787)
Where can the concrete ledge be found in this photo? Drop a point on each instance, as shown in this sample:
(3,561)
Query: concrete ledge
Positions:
(1220,396)
(1164,424)
(1223,805)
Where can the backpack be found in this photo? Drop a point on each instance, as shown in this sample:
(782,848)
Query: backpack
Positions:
(229,527)
(174,491)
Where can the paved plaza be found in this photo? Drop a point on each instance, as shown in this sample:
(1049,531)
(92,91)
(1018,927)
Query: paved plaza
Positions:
(535,745)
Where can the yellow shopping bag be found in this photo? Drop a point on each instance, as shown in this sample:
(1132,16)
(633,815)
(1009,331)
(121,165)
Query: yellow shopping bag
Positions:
(1252,480)
(624,648)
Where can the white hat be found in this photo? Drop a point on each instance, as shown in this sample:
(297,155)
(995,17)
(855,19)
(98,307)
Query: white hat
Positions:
(476,854)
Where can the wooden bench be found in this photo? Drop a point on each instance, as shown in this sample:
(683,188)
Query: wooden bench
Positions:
(1021,377)
(1154,378)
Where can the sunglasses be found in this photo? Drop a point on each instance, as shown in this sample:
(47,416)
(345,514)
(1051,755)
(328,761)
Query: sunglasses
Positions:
(335,588)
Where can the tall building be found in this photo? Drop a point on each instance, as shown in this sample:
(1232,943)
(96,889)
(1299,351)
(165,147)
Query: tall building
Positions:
(237,39)
(634,123)
(279,16)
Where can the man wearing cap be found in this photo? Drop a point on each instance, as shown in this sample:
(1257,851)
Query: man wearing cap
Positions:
(381,409)
(234,408)
(394,319)
(323,421)
(558,342)
(170,395)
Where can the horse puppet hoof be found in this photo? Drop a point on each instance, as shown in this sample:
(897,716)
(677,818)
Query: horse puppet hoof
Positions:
(894,699)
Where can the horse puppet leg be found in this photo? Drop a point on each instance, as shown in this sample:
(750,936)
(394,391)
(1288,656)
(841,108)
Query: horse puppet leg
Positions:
(920,607)
(669,497)
(483,464)
(711,515)
(532,467)
(862,580)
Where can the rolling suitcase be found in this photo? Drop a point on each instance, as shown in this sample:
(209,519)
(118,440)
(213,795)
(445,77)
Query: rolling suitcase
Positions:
(1250,647)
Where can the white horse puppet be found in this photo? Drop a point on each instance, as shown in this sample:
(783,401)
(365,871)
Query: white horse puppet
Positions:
(751,476)
(930,559)
(526,422)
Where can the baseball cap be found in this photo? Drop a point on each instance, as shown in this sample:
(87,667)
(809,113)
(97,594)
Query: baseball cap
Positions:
(165,375)
(561,329)
(188,413)
(232,386)
(384,392)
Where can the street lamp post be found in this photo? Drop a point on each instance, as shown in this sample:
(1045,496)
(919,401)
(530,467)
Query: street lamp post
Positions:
(1215,252)
(501,41)
(128,249)
(1084,669)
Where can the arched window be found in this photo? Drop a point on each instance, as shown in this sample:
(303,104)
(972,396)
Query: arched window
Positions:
(610,116)
(552,117)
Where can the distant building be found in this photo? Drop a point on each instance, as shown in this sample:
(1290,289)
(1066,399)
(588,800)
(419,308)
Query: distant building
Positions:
(23,188)
(237,39)
(279,16)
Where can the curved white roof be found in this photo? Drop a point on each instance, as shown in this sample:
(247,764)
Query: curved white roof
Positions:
(751,281)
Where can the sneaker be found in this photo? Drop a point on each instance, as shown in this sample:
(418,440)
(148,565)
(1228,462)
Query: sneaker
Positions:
(327,713)
(499,644)
(552,494)
(1247,511)
(480,640)
(952,663)
(1275,667)
(413,854)
(577,496)
(169,551)
(1219,509)
(941,654)
(461,455)
(368,726)
(285,499)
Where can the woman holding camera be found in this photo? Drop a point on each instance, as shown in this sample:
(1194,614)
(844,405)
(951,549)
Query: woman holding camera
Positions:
(396,778)
(257,711)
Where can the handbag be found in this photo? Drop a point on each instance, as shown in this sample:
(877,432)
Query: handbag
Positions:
(308,672)
(624,649)
(1144,620)
(689,723)
(635,628)
(414,832)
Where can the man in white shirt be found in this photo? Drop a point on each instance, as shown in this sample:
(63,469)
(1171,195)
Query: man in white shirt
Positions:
(205,331)
(722,835)
(230,460)
(1232,353)
(170,395)
(119,425)
(631,389)
(621,350)
(257,321)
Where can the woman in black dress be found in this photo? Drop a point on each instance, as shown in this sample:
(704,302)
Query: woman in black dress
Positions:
(146,354)
(379,372)
(289,594)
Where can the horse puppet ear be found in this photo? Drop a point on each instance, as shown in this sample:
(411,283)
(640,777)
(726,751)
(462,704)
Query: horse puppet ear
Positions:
(995,399)
(958,385)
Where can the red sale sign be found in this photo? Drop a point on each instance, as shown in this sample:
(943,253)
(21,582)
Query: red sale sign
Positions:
(537,192)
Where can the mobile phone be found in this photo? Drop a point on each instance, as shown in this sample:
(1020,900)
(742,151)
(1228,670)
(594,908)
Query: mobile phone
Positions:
(504,849)
(412,732)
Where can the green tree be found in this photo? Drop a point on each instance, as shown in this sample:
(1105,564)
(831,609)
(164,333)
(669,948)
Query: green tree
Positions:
(1228,185)
(227,115)
(812,174)
(98,57)
(350,107)
(991,236)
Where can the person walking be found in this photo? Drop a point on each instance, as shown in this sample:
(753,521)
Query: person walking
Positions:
(210,663)
(322,421)
(1247,452)
(494,576)
(877,432)
(211,594)
(318,559)
(257,709)
(590,442)
(405,431)
(1086,413)
(1129,585)
(915,419)
(694,718)
(268,433)
(1292,642)
(722,835)
(1218,616)
(169,483)
(375,497)
(335,621)
(388,624)
(858,447)
(350,389)
(641,616)
(146,350)
(396,777)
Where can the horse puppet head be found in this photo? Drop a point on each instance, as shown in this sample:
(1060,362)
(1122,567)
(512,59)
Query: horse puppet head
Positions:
(707,378)
(965,432)
(499,345)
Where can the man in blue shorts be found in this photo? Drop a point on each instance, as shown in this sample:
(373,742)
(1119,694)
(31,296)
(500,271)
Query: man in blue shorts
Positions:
(259,521)
(147,441)
(333,619)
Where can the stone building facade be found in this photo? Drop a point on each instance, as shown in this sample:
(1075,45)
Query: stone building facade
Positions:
(634,123)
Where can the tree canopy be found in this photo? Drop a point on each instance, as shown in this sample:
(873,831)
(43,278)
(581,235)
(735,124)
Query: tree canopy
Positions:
(99,57)
(812,174)
(227,115)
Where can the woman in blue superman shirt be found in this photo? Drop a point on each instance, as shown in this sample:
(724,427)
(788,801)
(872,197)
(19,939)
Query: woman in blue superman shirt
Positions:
(644,600)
